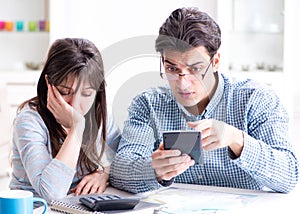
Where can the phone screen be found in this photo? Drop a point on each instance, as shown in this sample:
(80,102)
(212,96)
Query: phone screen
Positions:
(188,142)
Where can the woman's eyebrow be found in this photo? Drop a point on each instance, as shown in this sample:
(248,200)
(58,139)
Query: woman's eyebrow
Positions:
(68,87)
(88,87)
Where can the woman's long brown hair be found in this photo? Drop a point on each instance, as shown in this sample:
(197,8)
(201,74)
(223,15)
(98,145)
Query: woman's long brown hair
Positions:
(75,58)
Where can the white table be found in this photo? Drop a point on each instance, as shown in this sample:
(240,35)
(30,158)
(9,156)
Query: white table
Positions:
(190,195)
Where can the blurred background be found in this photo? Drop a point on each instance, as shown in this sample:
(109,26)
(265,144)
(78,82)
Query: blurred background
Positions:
(259,40)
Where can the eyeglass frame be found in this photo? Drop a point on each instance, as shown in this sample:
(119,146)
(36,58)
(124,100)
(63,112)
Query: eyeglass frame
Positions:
(180,74)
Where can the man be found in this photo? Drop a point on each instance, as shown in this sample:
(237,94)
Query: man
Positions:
(244,126)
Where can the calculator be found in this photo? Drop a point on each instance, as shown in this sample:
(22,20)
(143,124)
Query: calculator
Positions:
(106,202)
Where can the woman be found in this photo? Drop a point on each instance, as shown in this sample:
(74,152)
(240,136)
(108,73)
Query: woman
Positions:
(59,136)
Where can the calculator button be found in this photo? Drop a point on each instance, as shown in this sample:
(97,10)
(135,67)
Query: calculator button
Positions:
(114,197)
(91,199)
(99,198)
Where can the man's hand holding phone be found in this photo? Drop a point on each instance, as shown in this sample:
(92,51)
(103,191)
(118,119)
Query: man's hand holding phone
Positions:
(179,151)
(188,142)
(169,163)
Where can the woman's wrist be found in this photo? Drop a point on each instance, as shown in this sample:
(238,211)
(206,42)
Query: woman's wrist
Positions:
(78,127)
(104,170)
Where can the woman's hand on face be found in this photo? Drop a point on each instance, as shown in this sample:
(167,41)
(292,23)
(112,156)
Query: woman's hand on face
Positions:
(95,182)
(64,113)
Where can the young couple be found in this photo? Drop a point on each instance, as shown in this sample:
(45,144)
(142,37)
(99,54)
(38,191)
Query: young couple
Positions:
(65,139)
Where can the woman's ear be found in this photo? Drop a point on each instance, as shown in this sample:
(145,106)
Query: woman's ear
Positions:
(46,78)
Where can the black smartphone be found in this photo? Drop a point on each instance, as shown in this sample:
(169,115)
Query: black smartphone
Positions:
(188,142)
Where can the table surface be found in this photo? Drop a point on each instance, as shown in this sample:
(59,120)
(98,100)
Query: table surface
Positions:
(188,198)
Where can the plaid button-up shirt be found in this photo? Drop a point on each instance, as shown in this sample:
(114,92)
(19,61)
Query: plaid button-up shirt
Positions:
(267,161)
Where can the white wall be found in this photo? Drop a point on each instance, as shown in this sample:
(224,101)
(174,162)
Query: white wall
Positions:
(291,65)
(124,32)
(107,22)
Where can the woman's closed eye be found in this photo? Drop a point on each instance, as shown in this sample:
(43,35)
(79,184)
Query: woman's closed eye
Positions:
(87,93)
(64,91)
(68,91)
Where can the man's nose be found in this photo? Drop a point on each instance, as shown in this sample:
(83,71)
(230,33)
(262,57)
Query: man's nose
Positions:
(184,80)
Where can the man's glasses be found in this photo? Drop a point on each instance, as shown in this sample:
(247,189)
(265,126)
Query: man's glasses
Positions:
(195,74)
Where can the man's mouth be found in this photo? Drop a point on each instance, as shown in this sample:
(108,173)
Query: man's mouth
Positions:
(185,94)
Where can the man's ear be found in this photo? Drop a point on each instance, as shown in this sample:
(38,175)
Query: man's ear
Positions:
(216,61)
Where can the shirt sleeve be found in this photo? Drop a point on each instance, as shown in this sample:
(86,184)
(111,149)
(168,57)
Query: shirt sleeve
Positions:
(49,177)
(131,169)
(268,155)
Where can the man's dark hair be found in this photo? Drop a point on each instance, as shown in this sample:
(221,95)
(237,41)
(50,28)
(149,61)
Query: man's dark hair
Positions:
(186,28)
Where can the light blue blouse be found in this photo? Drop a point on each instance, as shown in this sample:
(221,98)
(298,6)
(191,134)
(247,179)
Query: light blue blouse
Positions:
(34,167)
